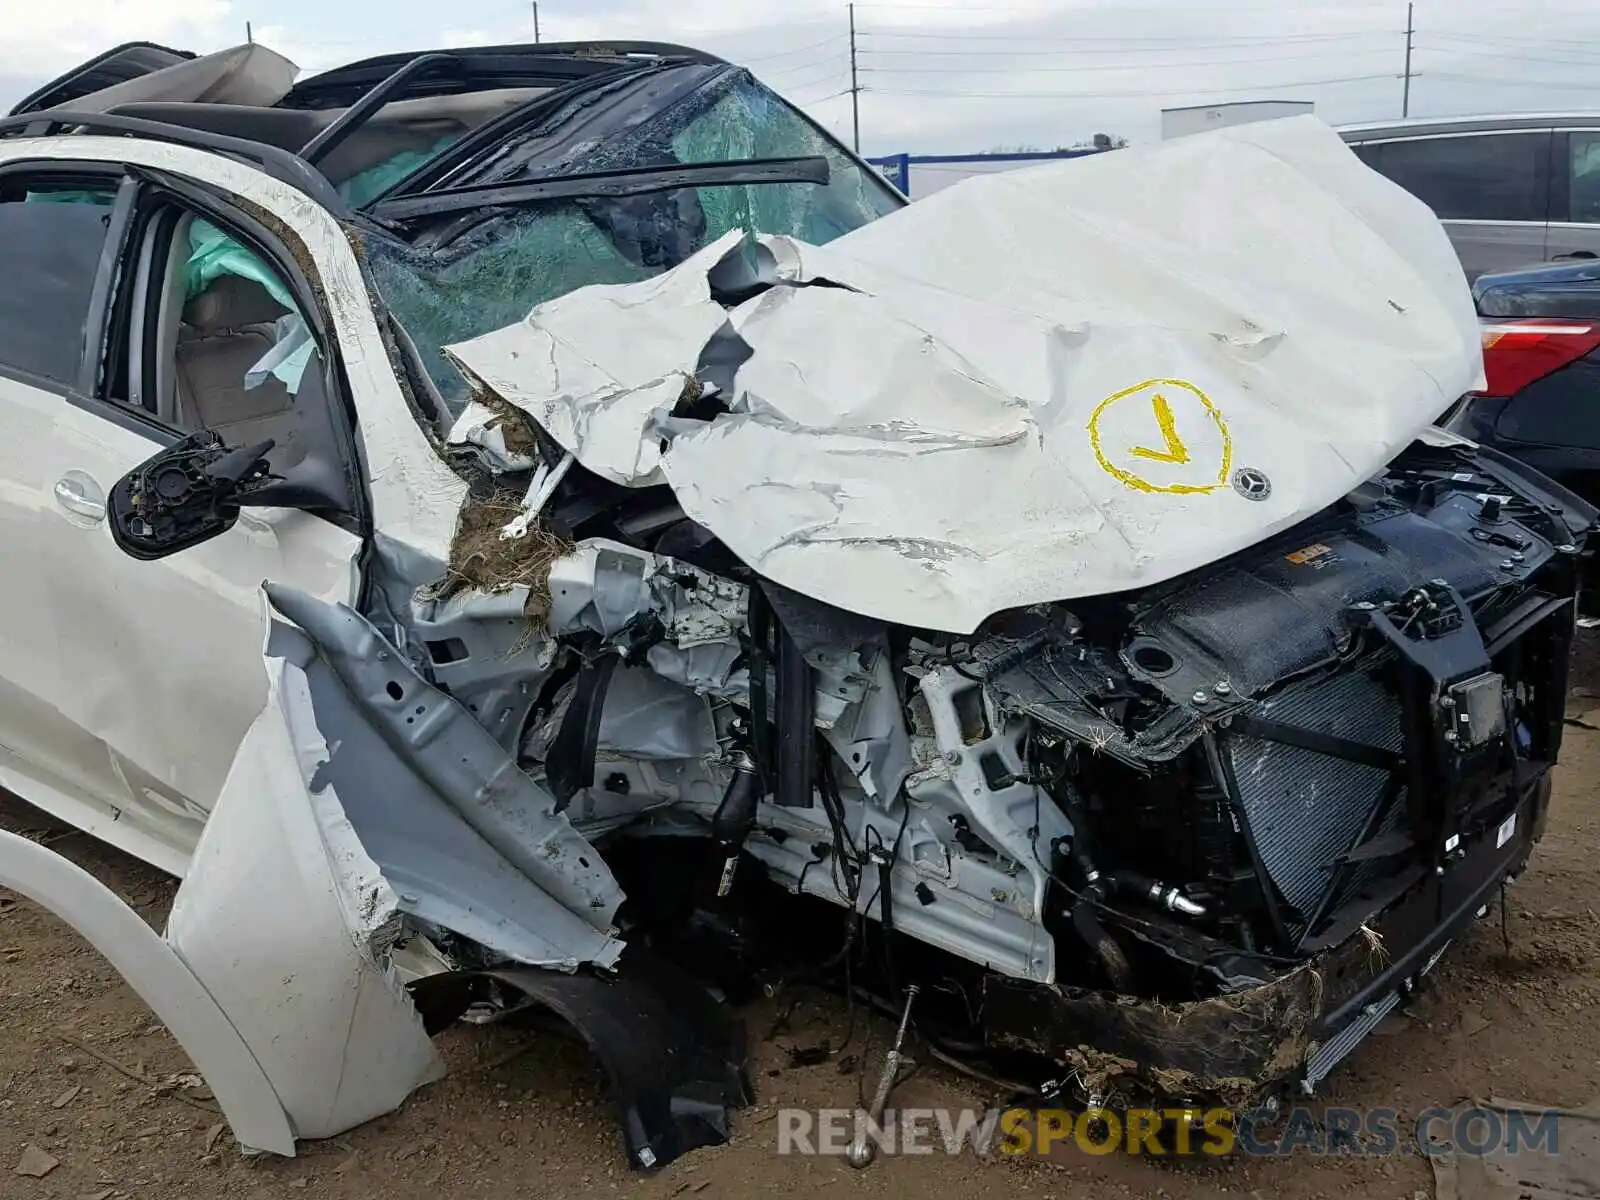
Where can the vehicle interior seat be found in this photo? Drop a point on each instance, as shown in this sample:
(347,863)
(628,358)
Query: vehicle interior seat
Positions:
(225,331)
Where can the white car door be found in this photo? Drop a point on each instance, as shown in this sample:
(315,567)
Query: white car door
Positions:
(53,230)
(152,669)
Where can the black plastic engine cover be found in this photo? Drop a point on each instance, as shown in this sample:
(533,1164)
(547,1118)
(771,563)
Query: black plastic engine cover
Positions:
(1285,608)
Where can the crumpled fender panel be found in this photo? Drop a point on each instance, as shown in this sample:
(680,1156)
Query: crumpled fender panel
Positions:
(457,774)
(155,971)
(283,916)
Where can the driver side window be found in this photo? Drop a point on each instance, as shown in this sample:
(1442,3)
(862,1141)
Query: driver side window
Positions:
(216,339)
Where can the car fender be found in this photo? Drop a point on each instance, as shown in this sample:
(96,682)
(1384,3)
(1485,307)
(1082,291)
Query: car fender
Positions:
(154,969)
(289,924)
(274,973)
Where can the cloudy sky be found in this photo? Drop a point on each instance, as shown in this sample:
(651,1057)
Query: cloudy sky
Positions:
(938,76)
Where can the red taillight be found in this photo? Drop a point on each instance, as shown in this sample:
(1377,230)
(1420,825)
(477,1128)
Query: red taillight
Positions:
(1515,353)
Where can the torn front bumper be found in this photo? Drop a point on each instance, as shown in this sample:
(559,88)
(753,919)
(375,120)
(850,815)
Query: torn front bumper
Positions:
(1239,1048)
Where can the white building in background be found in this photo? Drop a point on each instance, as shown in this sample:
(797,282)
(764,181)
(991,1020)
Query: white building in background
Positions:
(1180,122)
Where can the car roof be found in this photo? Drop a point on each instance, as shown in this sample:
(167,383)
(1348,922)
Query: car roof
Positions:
(1508,122)
(317,135)
(131,60)
(357,91)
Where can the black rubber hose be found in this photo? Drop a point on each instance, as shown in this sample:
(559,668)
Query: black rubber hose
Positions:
(736,815)
(1086,924)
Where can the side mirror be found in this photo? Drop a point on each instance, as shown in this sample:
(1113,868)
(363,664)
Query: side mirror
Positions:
(187,494)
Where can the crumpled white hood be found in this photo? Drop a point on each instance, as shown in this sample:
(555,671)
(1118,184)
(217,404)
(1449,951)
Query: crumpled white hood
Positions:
(1055,382)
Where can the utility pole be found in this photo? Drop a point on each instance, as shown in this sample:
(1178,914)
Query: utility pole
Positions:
(1411,28)
(855,88)
(535,22)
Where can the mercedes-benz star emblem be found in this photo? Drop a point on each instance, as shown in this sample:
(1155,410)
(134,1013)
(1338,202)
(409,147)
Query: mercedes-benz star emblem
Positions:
(1252,484)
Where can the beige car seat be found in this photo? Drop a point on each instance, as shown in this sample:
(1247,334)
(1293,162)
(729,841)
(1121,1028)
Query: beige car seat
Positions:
(226,330)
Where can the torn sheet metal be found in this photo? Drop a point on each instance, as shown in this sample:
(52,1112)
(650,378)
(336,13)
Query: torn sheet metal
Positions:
(466,807)
(1042,384)
(483,649)
(566,366)
(647,716)
(288,921)
(610,589)
(359,836)
(481,426)
(250,74)
(444,873)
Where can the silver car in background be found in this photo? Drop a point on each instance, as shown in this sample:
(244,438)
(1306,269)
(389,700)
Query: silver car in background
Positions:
(1511,190)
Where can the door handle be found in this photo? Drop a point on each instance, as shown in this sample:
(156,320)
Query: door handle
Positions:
(80,496)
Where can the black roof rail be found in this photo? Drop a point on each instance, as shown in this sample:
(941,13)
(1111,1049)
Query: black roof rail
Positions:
(279,163)
(359,113)
(619,181)
(543,64)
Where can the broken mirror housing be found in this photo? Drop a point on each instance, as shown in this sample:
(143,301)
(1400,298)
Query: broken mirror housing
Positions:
(740,579)
(184,495)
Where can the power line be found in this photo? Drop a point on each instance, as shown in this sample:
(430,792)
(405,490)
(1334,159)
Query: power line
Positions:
(942,69)
(894,54)
(1034,13)
(1514,56)
(1537,43)
(818,100)
(834,63)
(1141,52)
(728,31)
(746,60)
(1102,95)
(1137,42)
(825,99)
(1552,84)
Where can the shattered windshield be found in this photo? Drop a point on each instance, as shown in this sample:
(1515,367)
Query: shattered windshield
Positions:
(447,288)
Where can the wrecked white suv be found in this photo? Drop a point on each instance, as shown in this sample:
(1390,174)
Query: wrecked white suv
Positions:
(548,526)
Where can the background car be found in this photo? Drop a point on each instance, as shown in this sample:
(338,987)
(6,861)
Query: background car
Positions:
(1510,190)
(1541,358)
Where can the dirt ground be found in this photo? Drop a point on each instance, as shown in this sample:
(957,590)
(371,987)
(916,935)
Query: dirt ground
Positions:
(525,1114)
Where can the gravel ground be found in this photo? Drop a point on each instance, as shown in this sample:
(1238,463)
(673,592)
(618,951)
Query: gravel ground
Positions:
(525,1114)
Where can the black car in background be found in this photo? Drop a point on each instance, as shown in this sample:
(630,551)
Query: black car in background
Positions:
(1541,356)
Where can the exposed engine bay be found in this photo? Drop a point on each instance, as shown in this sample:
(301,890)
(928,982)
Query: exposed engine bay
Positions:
(1253,801)
(878,630)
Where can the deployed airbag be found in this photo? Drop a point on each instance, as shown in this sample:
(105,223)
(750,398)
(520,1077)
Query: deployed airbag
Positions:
(1063,381)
